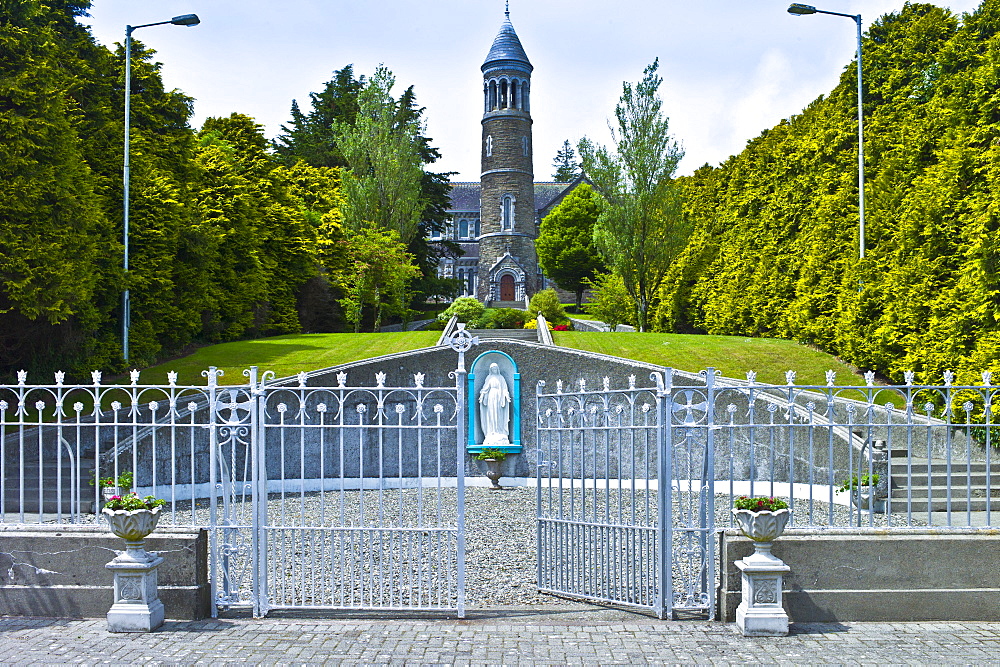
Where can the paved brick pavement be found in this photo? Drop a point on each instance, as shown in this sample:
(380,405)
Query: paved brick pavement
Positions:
(510,637)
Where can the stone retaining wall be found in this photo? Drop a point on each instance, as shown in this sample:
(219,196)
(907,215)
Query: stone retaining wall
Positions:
(871,574)
(58,571)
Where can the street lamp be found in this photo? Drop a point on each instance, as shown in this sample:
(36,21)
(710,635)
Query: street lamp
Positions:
(183,19)
(801,10)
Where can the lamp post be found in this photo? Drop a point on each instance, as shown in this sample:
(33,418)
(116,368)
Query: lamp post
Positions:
(801,10)
(184,19)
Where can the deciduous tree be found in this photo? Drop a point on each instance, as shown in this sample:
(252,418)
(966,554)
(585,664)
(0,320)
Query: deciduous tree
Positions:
(565,242)
(641,228)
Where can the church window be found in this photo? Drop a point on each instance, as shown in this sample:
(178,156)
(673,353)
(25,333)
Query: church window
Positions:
(463,229)
(503,93)
(507,213)
(493,95)
(477,228)
(489,146)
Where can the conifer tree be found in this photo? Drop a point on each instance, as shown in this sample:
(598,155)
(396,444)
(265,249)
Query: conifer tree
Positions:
(567,168)
(50,215)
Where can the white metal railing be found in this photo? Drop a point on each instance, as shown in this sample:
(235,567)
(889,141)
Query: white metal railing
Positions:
(336,497)
(645,475)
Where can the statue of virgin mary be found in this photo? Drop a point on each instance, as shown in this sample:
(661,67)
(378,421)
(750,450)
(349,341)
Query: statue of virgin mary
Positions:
(494,409)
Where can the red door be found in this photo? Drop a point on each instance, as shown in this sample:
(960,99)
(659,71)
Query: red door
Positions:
(507,287)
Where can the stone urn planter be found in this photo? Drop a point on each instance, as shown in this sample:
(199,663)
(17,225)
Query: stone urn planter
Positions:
(869,492)
(493,472)
(137,606)
(492,458)
(760,613)
(133,526)
(868,498)
(762,527)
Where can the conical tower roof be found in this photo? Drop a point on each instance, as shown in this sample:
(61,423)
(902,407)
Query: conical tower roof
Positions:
(507,47)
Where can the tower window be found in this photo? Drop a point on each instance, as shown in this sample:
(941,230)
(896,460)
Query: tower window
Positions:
(493,95)
(503,94)
(513,94)
(489,146)
(524,146)
(525,98)
(486,97)
(507,213)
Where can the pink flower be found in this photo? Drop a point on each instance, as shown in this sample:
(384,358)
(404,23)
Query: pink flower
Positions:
(114,498)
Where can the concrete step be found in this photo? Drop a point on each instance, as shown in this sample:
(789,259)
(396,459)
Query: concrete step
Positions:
(506,304)
(941,505)
(958,478)
(941,491)
(24,479)
(506,334)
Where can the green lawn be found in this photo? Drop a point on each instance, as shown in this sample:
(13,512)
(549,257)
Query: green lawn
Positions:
(286,355)
(733,355)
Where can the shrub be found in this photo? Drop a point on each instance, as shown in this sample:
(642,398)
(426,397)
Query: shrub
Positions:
(491,453)
(562,327)
(466,308)
(533,324)
(509,318)
(610,301)
(547,304)
(760,504)
(499,318)
(124,481)
(132,501)
(852,483)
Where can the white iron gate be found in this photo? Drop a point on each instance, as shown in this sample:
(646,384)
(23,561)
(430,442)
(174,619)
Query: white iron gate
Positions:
(346,497)
(625,516)
(339,497)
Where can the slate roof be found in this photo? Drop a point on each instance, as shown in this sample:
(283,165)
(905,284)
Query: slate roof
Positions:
(465,195)
(507,46)
(545,193)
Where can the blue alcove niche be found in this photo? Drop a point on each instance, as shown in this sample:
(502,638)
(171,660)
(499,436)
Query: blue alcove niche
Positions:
(477,374)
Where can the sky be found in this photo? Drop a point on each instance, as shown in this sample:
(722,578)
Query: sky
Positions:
(731,68)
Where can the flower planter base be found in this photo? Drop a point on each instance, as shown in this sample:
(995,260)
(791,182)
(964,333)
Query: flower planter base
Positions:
(761,613)
(137,606)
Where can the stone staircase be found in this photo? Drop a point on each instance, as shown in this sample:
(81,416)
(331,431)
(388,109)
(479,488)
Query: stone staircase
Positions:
(506,334)
(929,480)
(53,480)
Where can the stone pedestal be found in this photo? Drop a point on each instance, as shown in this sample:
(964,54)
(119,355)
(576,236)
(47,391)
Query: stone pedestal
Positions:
(761,613)
(137,606)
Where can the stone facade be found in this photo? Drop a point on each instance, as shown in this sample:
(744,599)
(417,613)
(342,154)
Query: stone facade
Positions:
(496,221)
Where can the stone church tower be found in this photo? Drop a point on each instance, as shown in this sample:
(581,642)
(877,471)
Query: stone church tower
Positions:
(508,266)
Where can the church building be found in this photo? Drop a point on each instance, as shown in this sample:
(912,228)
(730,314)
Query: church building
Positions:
(496,220)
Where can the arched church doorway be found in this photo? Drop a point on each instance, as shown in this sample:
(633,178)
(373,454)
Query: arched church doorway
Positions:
(507,287)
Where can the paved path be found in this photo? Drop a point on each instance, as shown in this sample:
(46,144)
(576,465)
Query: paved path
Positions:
(525,636)
(594,325)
